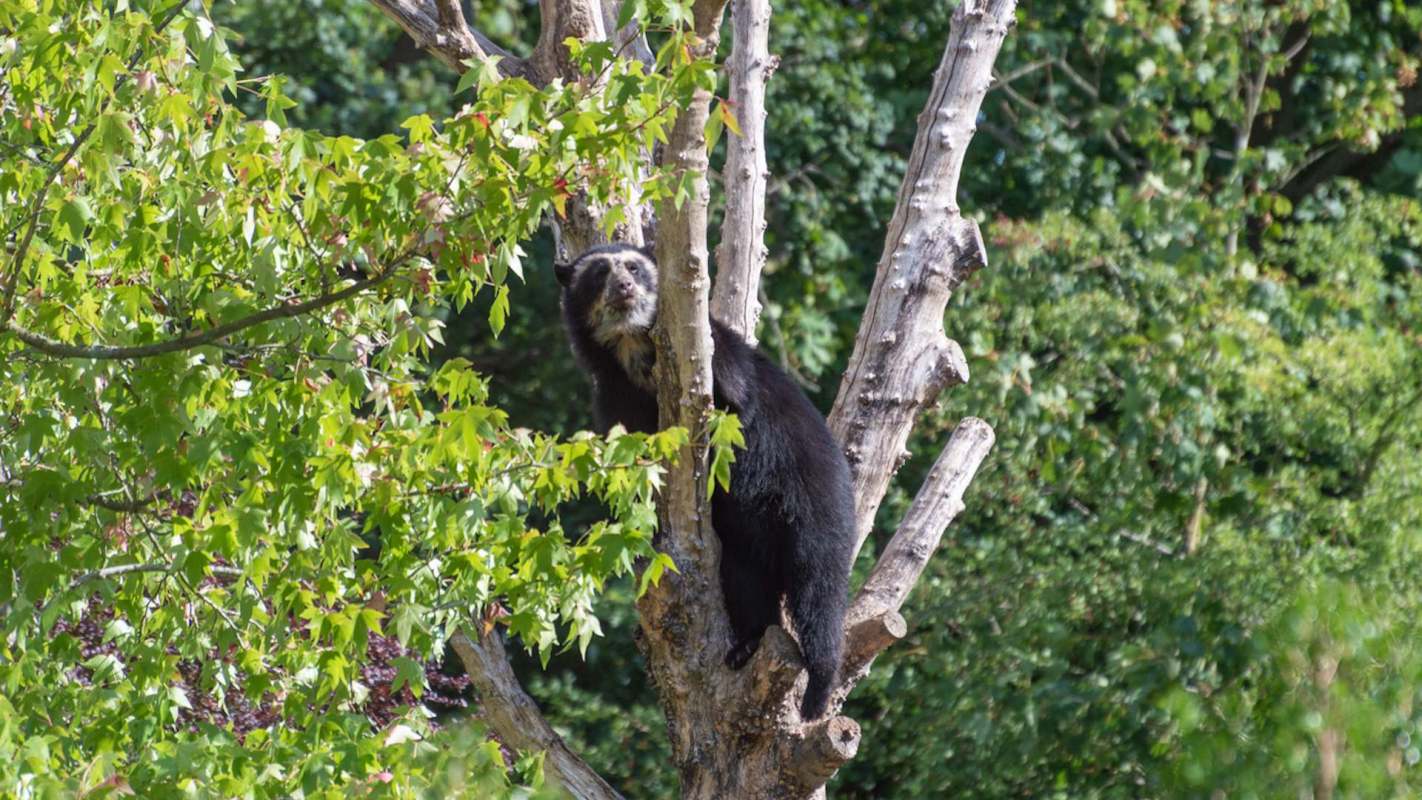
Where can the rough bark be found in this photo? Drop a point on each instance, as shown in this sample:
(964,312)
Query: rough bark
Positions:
(741,254)
(874,622)
(516,720)
(681,641)
(902,359)
(440,28)
(738,734)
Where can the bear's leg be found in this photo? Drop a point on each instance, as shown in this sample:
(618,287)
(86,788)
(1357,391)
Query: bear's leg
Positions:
(752,603)
(817,596)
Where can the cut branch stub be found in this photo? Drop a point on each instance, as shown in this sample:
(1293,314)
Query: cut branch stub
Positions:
(825,747)
(772,672)
(902,359)
(867,638)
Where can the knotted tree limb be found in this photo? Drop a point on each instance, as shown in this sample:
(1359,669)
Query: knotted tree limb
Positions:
(514,717)
(902,359)
(741,254)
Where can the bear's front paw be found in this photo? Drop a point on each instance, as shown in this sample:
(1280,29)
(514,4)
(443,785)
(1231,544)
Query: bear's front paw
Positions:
(740,653)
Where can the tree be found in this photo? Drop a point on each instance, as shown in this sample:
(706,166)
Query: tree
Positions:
(191,455)
(902,362)
(216,398)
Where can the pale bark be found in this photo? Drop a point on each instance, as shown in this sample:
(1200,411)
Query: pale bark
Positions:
(740,258)
(738,734)
(874,622)
(902,359)
(439,27)
(629,38)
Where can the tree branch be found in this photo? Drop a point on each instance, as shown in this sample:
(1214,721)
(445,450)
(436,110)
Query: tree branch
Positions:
(440,28)
(685,632)
(515,717)
(629,38)
(902,359)
(772,673)
(129,569)
(559,21)
(741,255)
(865,639)
(54,347)
(870,624)
(684,345)
(825,747)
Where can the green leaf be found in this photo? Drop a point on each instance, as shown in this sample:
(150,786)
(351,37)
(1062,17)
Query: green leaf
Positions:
(74,217)
(469,78)
(715,124)
(498,311)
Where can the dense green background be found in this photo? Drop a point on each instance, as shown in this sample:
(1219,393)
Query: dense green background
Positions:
(1137,371)
(1176,337)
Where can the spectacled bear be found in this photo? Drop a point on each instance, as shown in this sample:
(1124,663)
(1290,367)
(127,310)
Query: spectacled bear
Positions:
(787,524)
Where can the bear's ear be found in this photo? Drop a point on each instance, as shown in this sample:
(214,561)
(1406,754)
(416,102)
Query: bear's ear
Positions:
(650,251)
(564,271)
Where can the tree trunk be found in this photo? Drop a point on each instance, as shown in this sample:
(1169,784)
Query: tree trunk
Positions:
(738,734)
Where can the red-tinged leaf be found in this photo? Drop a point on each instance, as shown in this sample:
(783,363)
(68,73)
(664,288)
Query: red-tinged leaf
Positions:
(729,118)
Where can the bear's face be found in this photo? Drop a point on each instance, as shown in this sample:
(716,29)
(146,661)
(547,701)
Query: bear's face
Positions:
(613,290)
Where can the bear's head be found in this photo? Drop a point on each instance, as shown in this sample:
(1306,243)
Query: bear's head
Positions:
(612,290)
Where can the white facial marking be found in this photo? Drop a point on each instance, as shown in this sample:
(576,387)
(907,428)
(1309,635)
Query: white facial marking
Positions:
(623,315)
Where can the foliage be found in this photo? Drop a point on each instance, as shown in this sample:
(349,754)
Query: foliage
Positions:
(1198,332)
(1201,361)
(1336,698)
(216,393)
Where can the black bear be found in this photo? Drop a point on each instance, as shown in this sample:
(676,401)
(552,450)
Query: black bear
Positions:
(787,524)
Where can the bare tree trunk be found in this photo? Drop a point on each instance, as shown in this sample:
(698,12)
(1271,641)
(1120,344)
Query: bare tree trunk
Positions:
(738,734)
(741,254)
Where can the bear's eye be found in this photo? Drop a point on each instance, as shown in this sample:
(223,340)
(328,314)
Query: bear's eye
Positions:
(632,269)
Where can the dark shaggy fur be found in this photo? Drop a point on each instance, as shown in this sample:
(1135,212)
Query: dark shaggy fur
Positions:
(787,525)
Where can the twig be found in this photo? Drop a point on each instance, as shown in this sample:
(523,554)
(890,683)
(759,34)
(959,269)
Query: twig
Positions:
(60,349)
(129,569)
